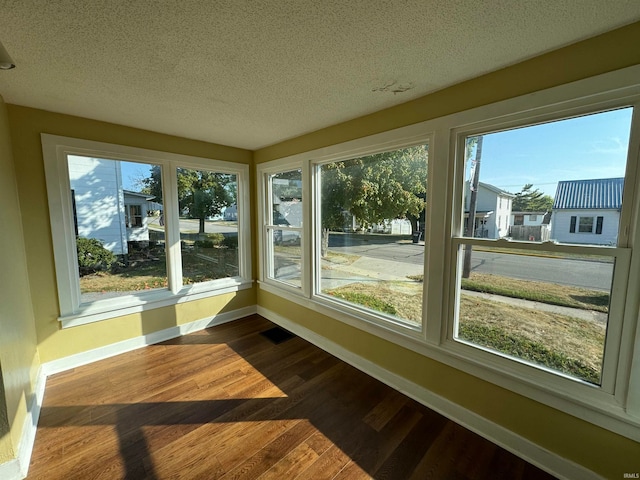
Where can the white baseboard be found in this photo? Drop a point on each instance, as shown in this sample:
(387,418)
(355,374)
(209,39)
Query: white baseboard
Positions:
(17,468)
(516,444)
(11,470)
(90,356)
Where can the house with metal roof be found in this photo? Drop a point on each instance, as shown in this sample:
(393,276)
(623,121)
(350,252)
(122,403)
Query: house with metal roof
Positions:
(587,211)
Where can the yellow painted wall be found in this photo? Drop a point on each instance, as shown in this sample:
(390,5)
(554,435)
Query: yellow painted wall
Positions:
(18,354)
(26,125)
(597,449)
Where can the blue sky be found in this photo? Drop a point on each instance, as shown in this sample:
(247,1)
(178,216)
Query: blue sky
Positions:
(593,146)
(132,171)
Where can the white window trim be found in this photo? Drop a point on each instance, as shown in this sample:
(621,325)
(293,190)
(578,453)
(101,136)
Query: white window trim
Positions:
(264,217)
(412,136)
(72,312)
(405,137)
(618,409)
(593,222)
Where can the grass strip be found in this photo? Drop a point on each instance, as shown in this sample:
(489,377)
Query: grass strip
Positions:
(368,301)
(543,292)
(525,349)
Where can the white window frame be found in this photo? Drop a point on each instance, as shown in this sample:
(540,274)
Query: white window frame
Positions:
(128,216)
(616,404)
(266,221)
(349,313)
(387,322)
(72,311)
(593,221)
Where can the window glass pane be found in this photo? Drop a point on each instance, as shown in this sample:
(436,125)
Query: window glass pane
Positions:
(285,207)
(208,208)
(286,201)
(287,256)
(585,225)
(556,171)
(117,214)
(372,223)
(546,308)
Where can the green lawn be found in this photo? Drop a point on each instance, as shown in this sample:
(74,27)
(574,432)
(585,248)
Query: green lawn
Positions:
(148,270)
(560,342)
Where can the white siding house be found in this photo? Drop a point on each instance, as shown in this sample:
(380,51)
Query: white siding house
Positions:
(528,219)
(136,208)
(587,211)
(102,209)
(98,201)
(493,211)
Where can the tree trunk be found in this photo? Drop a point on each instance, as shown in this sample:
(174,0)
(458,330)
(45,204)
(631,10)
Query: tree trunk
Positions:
(414,223)
(201,229)
(471,222)
(324,247)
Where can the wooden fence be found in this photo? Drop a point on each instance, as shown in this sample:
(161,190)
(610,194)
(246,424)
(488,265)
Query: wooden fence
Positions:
(534,233)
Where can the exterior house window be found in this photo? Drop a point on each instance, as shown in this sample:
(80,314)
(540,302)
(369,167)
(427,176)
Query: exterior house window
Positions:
(133,216)
(533,218)
(585,225)
(102,218)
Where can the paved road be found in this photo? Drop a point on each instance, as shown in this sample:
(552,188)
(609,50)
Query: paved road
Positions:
(572,272)
(188,225)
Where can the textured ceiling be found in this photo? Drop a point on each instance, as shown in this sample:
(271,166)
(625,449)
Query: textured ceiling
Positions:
(250,73)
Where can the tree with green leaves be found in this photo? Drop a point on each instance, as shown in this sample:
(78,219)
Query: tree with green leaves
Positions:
(201,193)
(374,188)
(530,200)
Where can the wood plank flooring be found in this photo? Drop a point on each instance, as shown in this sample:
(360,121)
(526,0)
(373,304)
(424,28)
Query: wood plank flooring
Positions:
(226,403)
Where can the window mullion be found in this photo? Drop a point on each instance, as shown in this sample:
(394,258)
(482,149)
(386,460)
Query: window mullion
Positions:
(172,227)
(435,238)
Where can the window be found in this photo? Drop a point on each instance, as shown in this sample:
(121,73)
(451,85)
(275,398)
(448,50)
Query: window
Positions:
(585,225)
(544,306)
(548,312)
(118,253)
(371,210)
(207,203)
(136,229)
(133,216)
(284,219)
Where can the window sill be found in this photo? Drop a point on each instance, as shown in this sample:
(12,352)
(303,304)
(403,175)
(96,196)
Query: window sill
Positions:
(116,307)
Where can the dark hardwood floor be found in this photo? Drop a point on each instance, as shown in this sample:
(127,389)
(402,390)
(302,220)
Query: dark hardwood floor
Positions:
(228,403)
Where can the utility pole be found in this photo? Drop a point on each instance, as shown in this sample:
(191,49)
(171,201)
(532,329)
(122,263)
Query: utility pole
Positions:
(473,200)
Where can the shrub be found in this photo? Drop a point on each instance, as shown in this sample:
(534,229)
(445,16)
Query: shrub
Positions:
(203,243)
(215,238)
(210,240)
(92,256)
(230,241)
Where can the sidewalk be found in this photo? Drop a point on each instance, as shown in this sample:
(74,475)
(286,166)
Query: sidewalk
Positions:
(367,269)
